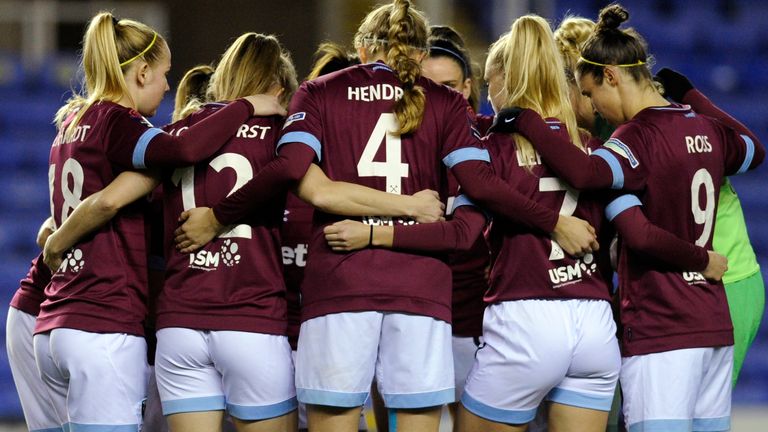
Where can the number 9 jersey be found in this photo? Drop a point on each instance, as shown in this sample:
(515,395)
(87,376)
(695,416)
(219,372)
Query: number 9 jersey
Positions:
(346,118)
(672,161)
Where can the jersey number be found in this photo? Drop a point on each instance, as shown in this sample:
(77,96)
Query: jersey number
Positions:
(393,168)
(71,193)
(704,215)
(243,173)
(571,200)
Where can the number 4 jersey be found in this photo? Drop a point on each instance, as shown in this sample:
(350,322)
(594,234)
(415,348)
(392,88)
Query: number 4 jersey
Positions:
(235,282)
(674,161)
(346,117)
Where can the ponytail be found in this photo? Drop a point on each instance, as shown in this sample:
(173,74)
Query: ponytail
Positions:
(191,92)
(400,29)
(110,47)
(533,77)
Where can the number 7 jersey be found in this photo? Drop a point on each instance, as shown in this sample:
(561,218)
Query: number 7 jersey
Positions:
(346,118)
(674,161)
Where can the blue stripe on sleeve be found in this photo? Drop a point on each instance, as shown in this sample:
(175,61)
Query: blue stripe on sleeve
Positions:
(614,164)
(141,147)
(466,154)
(304,138)
(750,154)
(620,204)
(461,200)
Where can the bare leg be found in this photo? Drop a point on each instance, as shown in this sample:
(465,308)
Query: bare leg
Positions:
(204,421)
(286,423)
(469,422)
(332,419)
(565,418)
(419,420)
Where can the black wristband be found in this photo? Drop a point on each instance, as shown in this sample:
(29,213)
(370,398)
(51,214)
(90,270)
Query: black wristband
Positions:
(370,237)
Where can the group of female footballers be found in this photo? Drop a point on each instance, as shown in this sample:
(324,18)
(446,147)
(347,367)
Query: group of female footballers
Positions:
(379,237)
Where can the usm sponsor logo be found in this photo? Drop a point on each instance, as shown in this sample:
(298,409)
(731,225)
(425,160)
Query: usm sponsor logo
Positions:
(211,260)
(570,274)
(73,262)
(694,278)
(387,221)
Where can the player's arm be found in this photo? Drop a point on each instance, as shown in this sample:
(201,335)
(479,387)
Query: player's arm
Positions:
(576,236)
(46,229)
(153,147)
(97,210)
(457,234)
(349,199)
(580,170)
(641,235)
(680,89)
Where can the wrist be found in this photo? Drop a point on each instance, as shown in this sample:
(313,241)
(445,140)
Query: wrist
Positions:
(218,227)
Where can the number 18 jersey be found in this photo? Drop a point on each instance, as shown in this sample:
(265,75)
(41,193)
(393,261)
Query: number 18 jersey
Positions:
(346,117)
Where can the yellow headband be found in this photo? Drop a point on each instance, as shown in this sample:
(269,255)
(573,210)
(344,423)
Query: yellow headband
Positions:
(151,44)
(637,63)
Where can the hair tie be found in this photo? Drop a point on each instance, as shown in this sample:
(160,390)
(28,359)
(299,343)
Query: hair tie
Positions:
(637,63)
(115,21)
(151,44)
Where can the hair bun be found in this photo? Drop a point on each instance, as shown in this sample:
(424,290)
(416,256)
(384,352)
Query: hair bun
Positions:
(612,16)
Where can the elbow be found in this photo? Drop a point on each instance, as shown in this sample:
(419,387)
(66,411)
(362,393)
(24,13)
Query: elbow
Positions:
(105,205)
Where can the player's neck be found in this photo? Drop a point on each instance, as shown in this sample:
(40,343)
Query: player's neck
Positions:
(640,98)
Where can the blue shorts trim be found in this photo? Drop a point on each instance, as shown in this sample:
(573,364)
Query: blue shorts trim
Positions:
(331,398)
(419,400)
(613,163)
(466,154)
(497,414)
(304,138)
(209,403)
(580,400)
(77,427)
(661,426)
(712,424)
(244,412)
(749,156)
(56,429)
(140,151)
(619,205)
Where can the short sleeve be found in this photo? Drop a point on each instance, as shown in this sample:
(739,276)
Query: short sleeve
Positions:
(127,139)
(622,153)
(739,150)
(461,139)
(304,122)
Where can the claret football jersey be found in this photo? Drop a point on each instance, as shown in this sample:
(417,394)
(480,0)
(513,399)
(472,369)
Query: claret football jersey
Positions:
(346,117)
(671,161)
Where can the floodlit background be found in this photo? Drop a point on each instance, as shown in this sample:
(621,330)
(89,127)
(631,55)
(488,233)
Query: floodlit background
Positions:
(722,45)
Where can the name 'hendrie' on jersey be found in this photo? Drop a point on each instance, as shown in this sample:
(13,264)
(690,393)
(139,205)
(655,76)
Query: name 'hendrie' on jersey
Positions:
(374,93)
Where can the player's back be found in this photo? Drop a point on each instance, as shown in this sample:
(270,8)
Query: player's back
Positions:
(678,157)
(348,115)
(527,264)
(101,284)
(235,282)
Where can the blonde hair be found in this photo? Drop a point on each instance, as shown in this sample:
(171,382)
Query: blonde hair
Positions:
(570,37)
(110,47)
(191,93)
(331,57)
(252,65)
(401,29)
(533,76)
